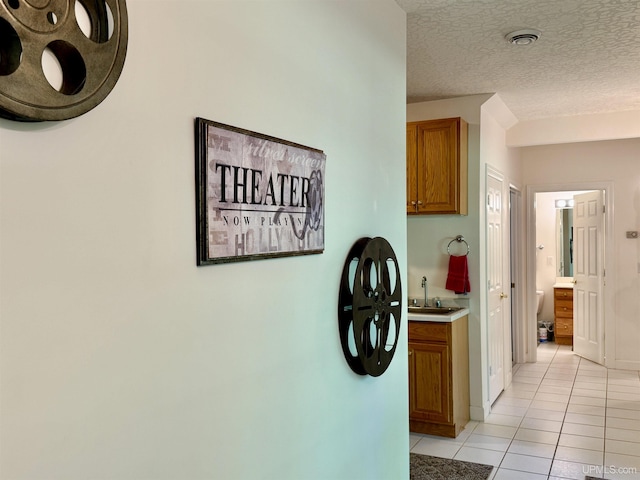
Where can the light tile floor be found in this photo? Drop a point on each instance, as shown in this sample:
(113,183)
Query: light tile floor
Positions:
(563,417)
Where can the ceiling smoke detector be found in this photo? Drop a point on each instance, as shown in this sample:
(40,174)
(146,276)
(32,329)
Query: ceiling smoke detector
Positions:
(522,37)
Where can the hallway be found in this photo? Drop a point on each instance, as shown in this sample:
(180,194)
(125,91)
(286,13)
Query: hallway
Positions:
(561,418)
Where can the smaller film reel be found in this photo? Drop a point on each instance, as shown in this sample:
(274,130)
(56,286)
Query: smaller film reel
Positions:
(370,306)
(59,58)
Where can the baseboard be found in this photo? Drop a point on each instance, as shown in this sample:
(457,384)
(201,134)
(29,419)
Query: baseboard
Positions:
(627,365)
(479,414)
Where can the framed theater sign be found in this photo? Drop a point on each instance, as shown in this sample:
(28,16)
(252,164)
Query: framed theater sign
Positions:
(256,196)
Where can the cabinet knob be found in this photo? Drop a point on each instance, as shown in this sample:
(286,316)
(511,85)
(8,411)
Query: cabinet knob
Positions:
(419,202)
(412,202)
(410,352)
(504,295)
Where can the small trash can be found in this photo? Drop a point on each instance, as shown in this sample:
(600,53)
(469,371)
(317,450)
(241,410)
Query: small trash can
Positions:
(543,334)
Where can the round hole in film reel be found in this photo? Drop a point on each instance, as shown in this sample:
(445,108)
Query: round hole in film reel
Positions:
(59,58)
(370,306)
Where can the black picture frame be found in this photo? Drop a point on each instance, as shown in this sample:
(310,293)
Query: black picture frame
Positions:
(257,196)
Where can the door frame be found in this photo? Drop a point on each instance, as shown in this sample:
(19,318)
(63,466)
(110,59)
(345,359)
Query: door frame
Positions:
(530,332)
(507,370)
(518,312)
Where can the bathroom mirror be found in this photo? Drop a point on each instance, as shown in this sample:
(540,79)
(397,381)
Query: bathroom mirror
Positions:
(564,242)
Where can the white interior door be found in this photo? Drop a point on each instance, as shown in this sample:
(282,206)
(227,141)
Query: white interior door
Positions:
(499,312)
(588,318)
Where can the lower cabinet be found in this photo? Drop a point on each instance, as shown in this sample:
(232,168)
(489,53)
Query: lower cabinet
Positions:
(563,313)
(438,377)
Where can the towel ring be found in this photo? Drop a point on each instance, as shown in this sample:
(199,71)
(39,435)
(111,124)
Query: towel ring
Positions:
(459,239)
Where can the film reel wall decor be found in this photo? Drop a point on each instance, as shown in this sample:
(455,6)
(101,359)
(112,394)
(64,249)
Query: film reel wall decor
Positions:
(369,306)
(59,58)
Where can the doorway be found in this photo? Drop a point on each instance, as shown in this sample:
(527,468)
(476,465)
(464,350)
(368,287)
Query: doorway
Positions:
(544,265)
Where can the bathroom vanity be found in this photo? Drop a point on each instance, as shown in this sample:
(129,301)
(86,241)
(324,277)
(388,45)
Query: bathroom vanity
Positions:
(563,313)
(438,373)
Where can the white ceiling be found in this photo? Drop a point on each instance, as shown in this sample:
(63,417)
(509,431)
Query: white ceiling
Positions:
(587,59)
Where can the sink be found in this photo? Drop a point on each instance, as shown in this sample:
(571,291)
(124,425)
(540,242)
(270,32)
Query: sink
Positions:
(433,310)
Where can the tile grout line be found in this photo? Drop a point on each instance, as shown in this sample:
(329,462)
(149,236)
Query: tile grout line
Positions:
(525,414)
(555,360)
(555,354)
(604,432)
(564,417)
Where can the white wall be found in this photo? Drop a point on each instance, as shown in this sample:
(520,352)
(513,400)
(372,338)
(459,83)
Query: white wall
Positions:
(496,119)
(575,128)
(120,358)
(546,271)
(428,236)
(504,163)
(614,161)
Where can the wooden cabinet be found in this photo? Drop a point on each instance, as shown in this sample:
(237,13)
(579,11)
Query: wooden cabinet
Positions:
(437,167)
(563,312)
(438,377)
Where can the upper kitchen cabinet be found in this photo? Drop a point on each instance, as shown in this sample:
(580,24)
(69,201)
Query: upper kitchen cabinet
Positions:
(437,167)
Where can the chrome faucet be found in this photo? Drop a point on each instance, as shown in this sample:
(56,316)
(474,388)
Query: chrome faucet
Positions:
(426,290)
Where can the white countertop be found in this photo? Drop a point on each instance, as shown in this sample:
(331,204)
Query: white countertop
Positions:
(438,318)
(563,282)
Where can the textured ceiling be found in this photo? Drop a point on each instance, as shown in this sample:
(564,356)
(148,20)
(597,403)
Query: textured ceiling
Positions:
(587,59)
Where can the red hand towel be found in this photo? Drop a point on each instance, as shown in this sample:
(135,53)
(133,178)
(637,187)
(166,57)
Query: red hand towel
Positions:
(458,278)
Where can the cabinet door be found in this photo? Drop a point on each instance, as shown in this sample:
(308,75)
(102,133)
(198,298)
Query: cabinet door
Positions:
(438,166)
(563,293)
(430,382)
(564,327)
(564,308)
(412,173)
(563,302)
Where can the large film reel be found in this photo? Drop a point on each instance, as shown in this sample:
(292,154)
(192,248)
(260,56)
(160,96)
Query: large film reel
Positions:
(369,306)
(83,41)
